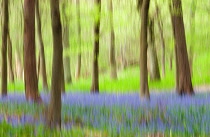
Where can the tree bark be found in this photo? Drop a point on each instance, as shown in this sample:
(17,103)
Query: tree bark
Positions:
(4,48)
(66,45)
(160,27)
(144,88)
(30,73)
(153,65)
(11,72)
(184,76)
(95,73)
(54,109)
(42,52)
(112,45)
(79,57)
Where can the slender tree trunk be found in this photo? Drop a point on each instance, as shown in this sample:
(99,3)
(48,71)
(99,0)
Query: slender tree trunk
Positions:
(112,45)
(79,57)
(175,49)
(95,73)
(192,28)
(144,88)
(185,84)
(78,70)
(153,68)
(123,57)
(4,48)
(18,65)
(63,88)
(42,53)
(66,45)
(30,73)
(38,67)
(11,72)
(54,109)
(171,61)
(160,27)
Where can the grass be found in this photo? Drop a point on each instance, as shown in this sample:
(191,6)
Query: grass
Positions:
(128,81)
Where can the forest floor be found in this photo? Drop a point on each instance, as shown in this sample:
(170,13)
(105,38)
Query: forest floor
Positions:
(110,115)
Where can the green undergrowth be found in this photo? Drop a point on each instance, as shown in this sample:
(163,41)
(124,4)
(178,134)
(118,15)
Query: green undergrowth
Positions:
(128,81)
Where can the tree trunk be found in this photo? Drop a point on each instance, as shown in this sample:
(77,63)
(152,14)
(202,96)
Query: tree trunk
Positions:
(185,84)
(18,65)
(95,73)
(11,72)
(160,27)
(123,60)
(38,67)
(175,49)
(54,109)
(30,73)
(63,89)
(112,46)
(144,88)
(78,70)
(66,45)
(4,48)
(153,68)
(42,53)
(192,28)
(171,61)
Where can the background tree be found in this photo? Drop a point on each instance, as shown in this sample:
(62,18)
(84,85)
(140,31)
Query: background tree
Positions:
(66,45)
(41,48)
(113,64)
(54,109)
(95,72)
(11,72)
(4,48)
(144,88)
(160,27)
(184,76)
(192,32)
(153,66)
(30,75)
(79,56)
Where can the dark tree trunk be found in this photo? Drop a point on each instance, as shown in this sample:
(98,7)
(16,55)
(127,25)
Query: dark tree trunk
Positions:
(30,73)
(54,109)
(112,46)
(185,84)
(160,27)
(42,53)
(4,48)
(95,73)
(144,88)
(11,72)
(79,57)
(66,45)
(153,65)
